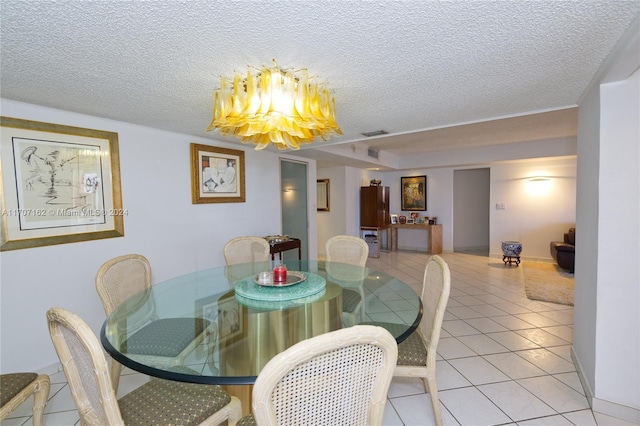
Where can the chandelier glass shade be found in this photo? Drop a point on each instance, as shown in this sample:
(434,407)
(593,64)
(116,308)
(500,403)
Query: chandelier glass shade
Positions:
(273,105)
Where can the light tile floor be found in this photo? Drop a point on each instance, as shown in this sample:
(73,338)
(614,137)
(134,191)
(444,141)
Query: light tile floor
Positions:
(502,359)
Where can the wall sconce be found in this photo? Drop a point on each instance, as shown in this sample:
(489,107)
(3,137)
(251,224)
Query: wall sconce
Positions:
(538,185)
(539,179)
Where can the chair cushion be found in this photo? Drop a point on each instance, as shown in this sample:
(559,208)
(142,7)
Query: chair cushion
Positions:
(165,402)
(160,336)
(412,350)
(350,300)
(12,384)
(247,420)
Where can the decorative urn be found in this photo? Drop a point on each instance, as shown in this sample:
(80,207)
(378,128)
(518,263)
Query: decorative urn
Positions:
(511,248)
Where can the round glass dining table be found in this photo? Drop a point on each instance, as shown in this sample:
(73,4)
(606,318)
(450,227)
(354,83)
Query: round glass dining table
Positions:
(253,319)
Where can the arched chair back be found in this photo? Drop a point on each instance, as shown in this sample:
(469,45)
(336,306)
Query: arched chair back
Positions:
(122,277)
(347,249)
(246,250)
(341,377)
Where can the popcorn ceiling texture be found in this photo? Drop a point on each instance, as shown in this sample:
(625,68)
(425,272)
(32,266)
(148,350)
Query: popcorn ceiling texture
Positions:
(397,66)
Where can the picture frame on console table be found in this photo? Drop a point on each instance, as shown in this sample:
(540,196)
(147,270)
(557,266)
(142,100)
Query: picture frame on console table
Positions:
(217,175)
(413,193)
(60,184)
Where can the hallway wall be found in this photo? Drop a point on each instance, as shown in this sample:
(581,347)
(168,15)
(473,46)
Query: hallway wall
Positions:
(533,217)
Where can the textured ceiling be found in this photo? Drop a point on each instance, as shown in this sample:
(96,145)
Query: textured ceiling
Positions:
(404,67)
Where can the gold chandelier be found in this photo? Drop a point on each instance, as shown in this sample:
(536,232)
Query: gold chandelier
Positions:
(274,105)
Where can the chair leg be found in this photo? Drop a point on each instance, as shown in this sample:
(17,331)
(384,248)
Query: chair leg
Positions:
(435,402)
(116,369)
(211,350)
(40,397)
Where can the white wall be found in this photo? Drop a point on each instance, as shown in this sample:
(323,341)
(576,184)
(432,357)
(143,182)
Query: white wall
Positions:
(332,222)
(176,235)
(531,217)
(618,291)
(536,213)
(587,211)
(606,319)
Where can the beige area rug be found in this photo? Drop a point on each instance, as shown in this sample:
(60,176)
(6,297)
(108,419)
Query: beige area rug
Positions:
(548,282)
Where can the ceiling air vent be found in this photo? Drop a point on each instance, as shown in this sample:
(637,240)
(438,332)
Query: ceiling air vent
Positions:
(376,133)
(372,152)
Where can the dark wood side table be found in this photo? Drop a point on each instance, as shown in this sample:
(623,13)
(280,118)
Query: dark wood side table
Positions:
(293,243)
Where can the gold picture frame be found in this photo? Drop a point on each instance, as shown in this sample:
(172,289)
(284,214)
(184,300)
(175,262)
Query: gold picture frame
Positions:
(217,175)
(413,190)
(323,195)
(60,184)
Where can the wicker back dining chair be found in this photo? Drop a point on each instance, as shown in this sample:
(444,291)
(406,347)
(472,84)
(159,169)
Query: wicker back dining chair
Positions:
(246,250)
(353,251)
(125,276)
(16,388)
(347,249)
(417,354)
(155,402)
(337,378)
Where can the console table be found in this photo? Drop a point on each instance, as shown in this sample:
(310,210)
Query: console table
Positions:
(434,236)
(291,244)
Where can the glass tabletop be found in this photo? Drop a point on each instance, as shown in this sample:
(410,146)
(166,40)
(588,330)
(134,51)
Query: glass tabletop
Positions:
(251,319)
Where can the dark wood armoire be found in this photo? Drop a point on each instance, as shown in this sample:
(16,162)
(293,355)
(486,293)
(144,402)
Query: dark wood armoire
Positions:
(374,206)
(374,216)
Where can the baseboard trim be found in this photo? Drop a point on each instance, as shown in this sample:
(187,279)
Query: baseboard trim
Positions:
(613,409)
(619,411)
(523,258)
(51,369)
(417,249)
(585,384)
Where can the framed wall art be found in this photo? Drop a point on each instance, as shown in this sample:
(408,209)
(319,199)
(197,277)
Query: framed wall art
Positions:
(413,190)
(217,175)
(226,312)
(323,195)
(60,184)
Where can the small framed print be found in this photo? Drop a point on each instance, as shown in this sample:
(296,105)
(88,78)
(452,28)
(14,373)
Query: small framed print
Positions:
(410,221)
(394,219)
(402,219)
(217,175)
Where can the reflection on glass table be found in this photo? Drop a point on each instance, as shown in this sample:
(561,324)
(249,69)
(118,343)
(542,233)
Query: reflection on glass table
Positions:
(257,322)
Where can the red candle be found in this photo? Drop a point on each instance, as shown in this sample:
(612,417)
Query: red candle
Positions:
(280,274)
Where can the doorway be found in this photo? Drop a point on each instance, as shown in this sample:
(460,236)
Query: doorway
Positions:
(293,181)
(471,191)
